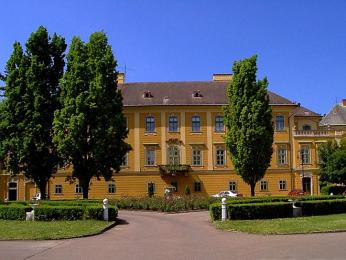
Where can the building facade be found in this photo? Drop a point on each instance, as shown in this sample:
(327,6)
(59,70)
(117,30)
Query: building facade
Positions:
(176,131)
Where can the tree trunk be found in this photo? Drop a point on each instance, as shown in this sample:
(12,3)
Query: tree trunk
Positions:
(42,186)
(253,185)
(85,186)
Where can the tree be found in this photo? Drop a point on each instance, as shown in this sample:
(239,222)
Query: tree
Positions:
(248,118)
(332,157)
(90,128)
(27,112)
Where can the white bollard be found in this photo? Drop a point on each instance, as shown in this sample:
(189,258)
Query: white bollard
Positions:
(105,209)
(223,209)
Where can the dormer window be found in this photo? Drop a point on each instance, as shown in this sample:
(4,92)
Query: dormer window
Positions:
(147,94)
(197,94)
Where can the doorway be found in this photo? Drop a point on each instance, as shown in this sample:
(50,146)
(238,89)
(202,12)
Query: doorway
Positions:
(307,184)
(12,191)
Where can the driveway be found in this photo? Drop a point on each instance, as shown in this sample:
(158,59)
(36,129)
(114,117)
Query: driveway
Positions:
(151,235)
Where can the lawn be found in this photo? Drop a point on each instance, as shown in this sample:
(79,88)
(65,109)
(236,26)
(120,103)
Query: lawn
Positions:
(329,223)
(40,230)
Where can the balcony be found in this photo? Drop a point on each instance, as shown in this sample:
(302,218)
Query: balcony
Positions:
(174,169)
(318,133)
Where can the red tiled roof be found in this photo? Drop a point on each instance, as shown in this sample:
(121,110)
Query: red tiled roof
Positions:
(303,111)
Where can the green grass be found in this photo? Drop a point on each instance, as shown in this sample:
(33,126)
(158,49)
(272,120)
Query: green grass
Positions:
(41,230)
(329,223)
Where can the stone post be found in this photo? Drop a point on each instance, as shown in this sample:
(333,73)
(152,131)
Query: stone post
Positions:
(223,209)
(105,209)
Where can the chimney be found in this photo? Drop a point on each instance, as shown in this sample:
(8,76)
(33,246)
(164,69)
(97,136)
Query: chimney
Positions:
(222,77)
(121,78)
(343,102)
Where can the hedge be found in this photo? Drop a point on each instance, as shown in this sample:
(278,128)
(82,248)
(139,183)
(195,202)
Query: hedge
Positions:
(332,188)
(323,207)
(174,204)
(253,210)
(48,212)
(13,212)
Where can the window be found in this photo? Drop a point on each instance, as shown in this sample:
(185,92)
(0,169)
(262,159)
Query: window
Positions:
(151,189)
(264,185)
(149,124)
(220,156)
(173,124)
(196,124)
(147,94)
(150,155)
(111,188)
(282,154)
(175,185)
(282,185)
(58,189)
(306,127)
(173,155)
(219,125)
(196,156)
(125,160)
(79,189)
(233,186)
(305,154)
(197,186)
(280,123)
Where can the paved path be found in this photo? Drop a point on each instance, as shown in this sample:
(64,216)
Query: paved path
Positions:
(148,235)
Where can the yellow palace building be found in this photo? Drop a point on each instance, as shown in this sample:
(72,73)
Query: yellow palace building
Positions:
(176,132)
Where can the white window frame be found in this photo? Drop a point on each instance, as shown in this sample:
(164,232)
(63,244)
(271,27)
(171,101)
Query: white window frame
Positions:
(282,185)
(305,154)
(150,150)
(111,188)
(125,161)
(264,186)
(172,158)
(150,126)
(78,189)
(175,123)
(197,148)
(282,159)
(279,125)
(194,122)
(56,188)
(217,155)
(232,184)
(217,127)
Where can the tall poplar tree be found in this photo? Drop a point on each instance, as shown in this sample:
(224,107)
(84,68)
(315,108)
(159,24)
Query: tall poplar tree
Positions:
(90,128)
(31,97)
(248,118)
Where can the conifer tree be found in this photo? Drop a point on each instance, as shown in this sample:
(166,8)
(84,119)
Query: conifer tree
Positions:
(27,112)
(248,118)
(90,128)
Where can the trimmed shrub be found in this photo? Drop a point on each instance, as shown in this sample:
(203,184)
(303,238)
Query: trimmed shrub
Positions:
(94,212)
(215,211)
(260,210)
(59,213)
(13,212)
(323,207)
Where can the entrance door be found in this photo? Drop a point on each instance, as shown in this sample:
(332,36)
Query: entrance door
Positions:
(12,191)
(307,184)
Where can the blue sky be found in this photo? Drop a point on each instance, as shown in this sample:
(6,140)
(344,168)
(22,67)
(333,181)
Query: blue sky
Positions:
(301,44)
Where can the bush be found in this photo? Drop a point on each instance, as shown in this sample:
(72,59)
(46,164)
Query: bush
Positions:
(332,188)
(59,213)
(13,212)
(97,213)
(252,210)
(323,207)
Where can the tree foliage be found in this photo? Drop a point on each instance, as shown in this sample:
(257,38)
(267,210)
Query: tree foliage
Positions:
(90,128)
(332,158)
(248,118)
(27,112)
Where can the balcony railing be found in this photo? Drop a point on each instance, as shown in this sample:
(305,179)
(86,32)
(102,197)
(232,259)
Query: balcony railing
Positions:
(174,169)
(313,133)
